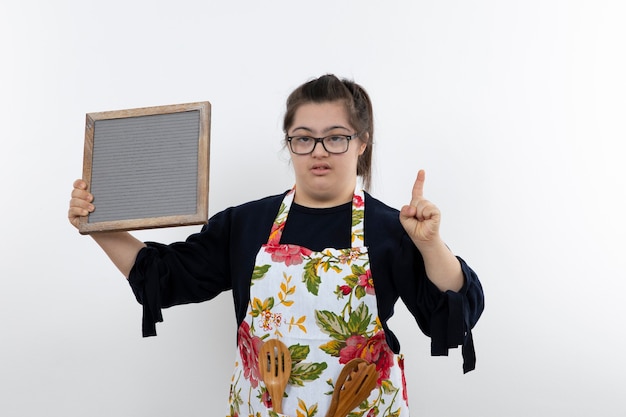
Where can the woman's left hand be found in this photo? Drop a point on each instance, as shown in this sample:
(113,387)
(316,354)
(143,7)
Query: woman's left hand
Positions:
(421,218)
(421,221)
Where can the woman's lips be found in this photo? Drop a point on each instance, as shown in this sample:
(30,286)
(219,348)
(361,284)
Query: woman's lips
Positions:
(320,169)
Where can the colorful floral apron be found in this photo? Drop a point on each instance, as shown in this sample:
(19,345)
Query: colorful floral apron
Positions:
(322,305)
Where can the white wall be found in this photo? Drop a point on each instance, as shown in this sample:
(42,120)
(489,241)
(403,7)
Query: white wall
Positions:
(515,109)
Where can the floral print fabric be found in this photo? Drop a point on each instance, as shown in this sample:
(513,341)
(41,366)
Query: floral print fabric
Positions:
(322,305)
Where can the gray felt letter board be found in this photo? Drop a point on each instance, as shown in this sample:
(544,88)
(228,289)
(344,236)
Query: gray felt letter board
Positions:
(147,167)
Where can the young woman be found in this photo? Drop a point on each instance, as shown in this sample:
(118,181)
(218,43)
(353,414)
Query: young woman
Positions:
(318,267)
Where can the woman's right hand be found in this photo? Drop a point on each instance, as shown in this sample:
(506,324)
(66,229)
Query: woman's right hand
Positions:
(121,247)
(80,203)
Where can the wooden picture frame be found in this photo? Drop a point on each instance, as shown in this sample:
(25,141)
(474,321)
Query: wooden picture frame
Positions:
(147,167)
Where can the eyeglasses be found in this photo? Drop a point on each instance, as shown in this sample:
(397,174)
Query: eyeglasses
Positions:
(334,144)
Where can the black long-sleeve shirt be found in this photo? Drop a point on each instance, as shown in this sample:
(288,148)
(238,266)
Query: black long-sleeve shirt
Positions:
(221,257)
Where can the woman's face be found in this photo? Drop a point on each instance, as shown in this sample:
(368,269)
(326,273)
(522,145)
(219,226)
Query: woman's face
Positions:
(324,179)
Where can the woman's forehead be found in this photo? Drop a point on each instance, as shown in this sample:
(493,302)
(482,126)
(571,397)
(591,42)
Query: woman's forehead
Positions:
(321,117)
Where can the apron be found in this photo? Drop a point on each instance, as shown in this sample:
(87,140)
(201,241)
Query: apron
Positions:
(322,305)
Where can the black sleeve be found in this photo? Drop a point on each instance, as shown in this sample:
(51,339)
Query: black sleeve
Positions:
(184,272)
(454,318)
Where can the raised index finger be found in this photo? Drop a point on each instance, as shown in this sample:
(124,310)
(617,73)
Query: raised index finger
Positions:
(418,188)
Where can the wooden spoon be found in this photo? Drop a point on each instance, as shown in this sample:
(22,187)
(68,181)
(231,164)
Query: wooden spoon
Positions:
(354,384)
(275,369)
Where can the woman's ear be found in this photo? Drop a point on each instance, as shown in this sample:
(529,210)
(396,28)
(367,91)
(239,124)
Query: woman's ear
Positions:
(365,138)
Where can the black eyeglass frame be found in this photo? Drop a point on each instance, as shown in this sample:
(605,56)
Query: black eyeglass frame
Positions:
(321,140)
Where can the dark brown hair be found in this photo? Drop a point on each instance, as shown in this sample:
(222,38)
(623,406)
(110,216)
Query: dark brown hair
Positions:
(329,88)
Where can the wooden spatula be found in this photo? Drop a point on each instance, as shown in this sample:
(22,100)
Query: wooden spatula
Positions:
(275,369)
(356,381)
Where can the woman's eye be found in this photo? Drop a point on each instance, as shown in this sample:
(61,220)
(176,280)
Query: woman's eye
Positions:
(336,138)
(303,139)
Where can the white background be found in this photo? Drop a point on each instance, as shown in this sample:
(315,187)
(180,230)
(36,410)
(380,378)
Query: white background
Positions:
(514,108)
